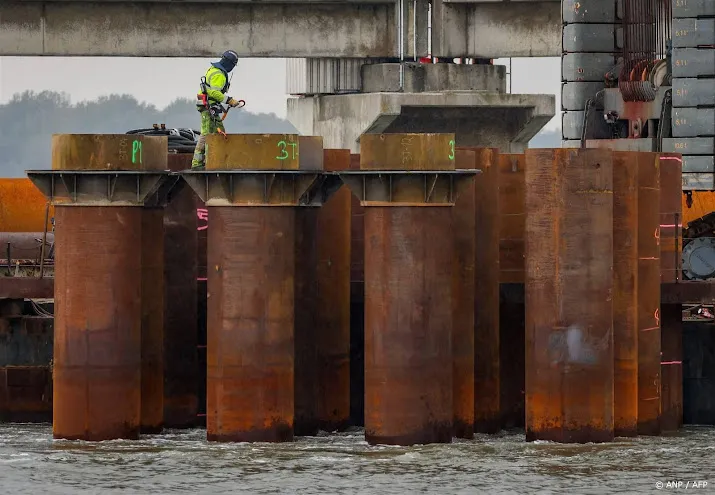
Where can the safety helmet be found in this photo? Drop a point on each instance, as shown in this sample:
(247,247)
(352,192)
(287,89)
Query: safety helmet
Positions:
(229,59)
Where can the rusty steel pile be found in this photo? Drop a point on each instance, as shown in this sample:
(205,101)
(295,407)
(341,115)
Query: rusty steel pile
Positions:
(473,290)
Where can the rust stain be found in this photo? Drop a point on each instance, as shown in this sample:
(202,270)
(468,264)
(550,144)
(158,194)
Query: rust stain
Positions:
(487,407)
(22,207)
(407,152)
(333,299)
(569,287)
(463,304)
(108,152)
(625,294)
(511,218)
(97,346)
(408,328)
(703,203)
(152,321)
(651,202)
(250,342)
(322,311)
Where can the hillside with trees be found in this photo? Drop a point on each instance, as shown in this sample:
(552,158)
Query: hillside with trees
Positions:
(28,121)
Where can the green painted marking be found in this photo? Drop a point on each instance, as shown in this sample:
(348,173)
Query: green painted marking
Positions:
(451,149)
(136,148)
(284,151)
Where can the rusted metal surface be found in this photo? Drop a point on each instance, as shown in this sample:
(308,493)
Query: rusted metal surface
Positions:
(687,292)
(671,217)
(649,378)
(202,215)
(264,152)
(333,300)
(671,366)
(511,276)
(408,325)
(250,324)
(152,333)
(22,207)
(486,293)
(306,322)
(511,218)
(512,355)
(97,346)
(703,202)
(407,152)
(569,284)
(108,152)
(463,304)
(322,311)
(180,291)
(625,294)
(27,287)
(25,373)
(357,305)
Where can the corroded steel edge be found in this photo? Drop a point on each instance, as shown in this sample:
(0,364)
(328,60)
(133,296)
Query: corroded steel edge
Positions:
(407,187)
(104,188)
(262,187)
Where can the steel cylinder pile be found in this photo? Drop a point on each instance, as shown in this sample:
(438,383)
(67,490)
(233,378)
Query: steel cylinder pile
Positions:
(473,290)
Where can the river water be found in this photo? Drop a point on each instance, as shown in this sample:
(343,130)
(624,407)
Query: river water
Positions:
(181,461)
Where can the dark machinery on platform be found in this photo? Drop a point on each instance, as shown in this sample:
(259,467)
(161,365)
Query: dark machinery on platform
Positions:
(639,75)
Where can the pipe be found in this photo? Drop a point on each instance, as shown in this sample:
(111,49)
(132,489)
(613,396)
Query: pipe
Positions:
(44,241)
(401,45)
(414,30)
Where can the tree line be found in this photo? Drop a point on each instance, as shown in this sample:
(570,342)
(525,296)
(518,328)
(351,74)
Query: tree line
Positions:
(29,119)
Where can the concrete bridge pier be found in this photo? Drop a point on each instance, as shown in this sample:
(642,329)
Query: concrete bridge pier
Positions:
(466,100)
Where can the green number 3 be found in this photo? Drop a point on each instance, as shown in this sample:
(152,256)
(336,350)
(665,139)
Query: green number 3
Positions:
(451,149)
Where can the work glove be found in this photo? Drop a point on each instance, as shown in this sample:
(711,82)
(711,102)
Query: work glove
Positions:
(232,102)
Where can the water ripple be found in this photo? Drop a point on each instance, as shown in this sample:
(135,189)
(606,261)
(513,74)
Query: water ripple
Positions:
(182,461)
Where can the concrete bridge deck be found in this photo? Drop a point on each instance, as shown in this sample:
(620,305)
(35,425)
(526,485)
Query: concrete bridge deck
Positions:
(272,28)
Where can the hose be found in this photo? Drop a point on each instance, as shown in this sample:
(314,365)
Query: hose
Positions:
(180,140)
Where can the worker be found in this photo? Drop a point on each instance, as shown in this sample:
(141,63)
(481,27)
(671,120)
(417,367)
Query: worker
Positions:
(214,86)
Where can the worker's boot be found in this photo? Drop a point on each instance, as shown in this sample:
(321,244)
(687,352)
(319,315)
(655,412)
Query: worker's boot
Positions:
(197,163)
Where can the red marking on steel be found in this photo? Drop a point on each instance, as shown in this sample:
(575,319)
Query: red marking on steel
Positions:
(203,214)
(200,415)
(656,315)
(671,226)
(201,347)
(671,362)
(680,160)
(202,279)
(649,329)
(649,258)
(652,398)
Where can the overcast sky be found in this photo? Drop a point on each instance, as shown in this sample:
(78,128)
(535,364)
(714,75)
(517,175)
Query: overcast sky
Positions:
(261,82)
